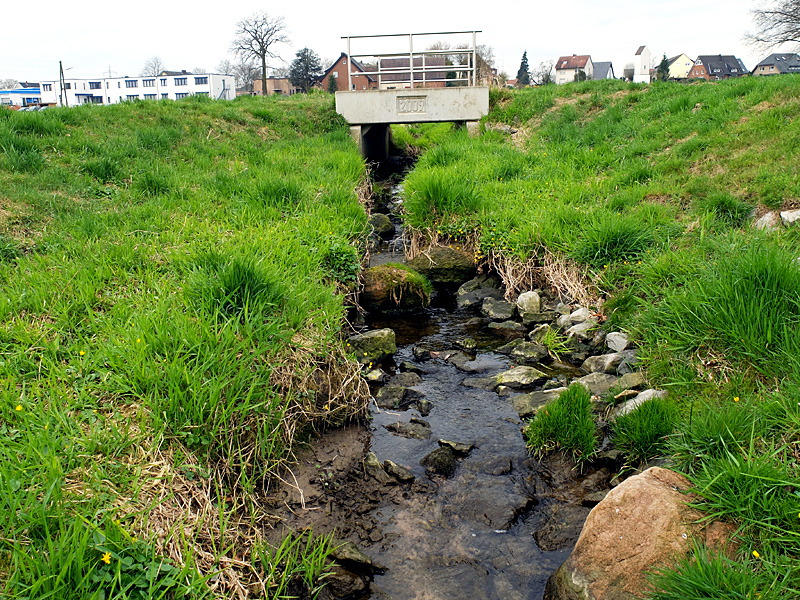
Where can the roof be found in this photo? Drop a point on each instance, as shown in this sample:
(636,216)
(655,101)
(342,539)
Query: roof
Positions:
(671,61)
(184,72)
(601,70)
(572,62)
(355,63)
(721,65)
(640,50)
(785,63)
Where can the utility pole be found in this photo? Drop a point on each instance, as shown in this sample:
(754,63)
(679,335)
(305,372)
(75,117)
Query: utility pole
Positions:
(62,94)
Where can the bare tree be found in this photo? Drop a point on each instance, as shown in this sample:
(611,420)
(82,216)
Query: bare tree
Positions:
(543,74)
(199,70)
(225,67)
(8,84)
(246,72)
(778,23)
(255,37)
(152,67)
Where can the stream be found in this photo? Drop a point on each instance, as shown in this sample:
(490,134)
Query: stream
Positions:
(498,527)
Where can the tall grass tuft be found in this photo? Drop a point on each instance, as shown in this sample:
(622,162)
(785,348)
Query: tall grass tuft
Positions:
(611,238)
(642,433)
(745,307)
(565,424)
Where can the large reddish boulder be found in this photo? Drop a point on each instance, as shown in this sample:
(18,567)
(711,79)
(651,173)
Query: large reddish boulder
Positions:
(641,524)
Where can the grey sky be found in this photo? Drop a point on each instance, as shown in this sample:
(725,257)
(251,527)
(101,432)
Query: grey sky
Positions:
(91,35)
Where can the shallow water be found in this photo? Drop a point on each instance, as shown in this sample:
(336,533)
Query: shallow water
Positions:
(470,536)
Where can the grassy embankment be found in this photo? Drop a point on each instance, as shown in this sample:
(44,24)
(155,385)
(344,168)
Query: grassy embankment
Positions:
(643,196)
(171,286)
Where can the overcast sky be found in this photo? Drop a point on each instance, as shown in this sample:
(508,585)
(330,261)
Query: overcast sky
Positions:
(91,37)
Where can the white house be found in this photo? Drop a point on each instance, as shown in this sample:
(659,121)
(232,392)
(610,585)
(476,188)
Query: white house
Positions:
(641,65)
(573,68)
(22,94)
(172,85)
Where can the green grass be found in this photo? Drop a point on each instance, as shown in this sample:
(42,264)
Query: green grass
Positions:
(642,433)
(565,424)
(170,274)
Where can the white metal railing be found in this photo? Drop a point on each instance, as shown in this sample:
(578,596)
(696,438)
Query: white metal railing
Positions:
(424,73)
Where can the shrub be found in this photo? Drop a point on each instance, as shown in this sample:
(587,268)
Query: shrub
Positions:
(342,262)
(641,433)
(565,424)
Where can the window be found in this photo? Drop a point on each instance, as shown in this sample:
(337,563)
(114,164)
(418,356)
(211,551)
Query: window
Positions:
(148,83)
(97,99)
(179,96)
(94,85)
(47,87)
(163,81)
(106,85)
(180,81)
(734,70)
(132,97)
(131,83)
(201,80)
(164,95)
(335,74)
(67,86)
(149,96)
(119,85)
(201,93)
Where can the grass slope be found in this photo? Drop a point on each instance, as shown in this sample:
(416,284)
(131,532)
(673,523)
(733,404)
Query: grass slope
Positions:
(643,196)
(171,286)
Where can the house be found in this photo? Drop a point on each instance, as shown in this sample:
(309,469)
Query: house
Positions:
(679,66)
(603,70)
(719,66)
(21,95)
(394,73)
(568,68)
(172,85)
(641,65)
(280,86)
(361,80)
(778,64)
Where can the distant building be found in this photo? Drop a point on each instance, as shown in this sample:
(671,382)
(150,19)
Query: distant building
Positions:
(21,95)
(568,68)
(399,75)
(778,64)
(603,70)
(719,66)
(167,85)
(641,65)
(361,80)
(280,86)
(679,66)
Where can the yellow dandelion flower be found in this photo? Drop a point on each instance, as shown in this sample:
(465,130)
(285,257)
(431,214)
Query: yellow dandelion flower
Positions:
(106,558)
(82,352)
(756,554)
(736,398)
(138,340)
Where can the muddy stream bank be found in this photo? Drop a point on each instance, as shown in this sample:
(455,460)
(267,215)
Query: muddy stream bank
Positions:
(487,522)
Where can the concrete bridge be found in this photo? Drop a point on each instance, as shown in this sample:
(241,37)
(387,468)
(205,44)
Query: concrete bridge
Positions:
(411,87)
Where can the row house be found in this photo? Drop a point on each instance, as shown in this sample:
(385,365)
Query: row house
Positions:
(171,85)
(679,66)
(361,79)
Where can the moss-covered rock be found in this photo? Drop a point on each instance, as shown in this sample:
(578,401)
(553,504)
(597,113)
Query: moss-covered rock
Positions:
(444,265)
(395,288)
(373,346)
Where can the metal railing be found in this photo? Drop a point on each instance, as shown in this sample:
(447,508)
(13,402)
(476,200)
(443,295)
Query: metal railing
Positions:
(420,70)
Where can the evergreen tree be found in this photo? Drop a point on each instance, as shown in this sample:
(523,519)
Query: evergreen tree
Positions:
(305,70)
(524,74)
(333,83)
(662,73)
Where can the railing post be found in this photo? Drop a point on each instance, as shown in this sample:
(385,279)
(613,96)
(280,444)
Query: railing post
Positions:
(474,59)
(411,57)
(349,68)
